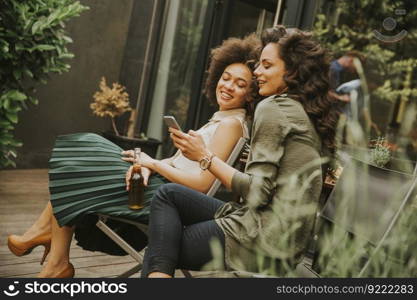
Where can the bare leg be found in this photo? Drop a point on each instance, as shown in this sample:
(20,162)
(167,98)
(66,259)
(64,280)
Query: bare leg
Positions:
(42,225)
(60,247)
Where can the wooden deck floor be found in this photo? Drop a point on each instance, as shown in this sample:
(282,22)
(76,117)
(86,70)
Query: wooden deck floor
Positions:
(23,195)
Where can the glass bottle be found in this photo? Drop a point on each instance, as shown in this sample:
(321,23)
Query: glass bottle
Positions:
(137,188)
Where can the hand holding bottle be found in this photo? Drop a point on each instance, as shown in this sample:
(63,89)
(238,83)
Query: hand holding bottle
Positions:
(136,184)
(144,159)
(145,172)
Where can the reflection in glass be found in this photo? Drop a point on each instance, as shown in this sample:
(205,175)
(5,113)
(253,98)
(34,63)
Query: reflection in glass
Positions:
(180,46)
(390,73)
(246,18)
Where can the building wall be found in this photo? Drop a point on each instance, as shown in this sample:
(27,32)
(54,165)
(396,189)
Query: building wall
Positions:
(99,36)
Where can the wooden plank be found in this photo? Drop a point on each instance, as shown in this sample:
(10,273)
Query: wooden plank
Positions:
(81,264)
(23,195)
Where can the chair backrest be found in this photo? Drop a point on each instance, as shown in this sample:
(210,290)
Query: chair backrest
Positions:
(233,157)
(364,202)
(366,198)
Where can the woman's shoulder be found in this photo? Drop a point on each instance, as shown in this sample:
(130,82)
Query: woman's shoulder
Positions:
(231,121)
(274,108)
(275,101)
(284,111)
(234,124)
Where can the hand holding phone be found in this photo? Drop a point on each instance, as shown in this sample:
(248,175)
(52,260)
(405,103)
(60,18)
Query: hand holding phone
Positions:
(171,122)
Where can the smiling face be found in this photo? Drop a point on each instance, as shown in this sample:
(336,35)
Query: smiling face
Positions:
(233,87)
(270,72)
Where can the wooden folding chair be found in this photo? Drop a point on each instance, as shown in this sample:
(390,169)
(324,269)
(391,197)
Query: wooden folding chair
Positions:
(138,256)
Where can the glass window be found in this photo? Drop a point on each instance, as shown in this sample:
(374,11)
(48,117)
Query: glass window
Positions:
(384,107)
(249,16)
(180,45)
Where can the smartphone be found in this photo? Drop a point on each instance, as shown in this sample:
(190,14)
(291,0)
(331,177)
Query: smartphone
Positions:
(171,122)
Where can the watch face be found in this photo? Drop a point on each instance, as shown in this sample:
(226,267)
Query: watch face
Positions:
(204,163)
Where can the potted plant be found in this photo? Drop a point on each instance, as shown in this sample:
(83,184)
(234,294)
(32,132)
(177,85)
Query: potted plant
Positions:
(114,102)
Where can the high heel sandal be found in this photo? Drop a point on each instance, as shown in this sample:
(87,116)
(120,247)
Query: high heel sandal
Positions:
(24,248)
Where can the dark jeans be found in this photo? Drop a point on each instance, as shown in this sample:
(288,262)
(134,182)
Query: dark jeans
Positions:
(181,227)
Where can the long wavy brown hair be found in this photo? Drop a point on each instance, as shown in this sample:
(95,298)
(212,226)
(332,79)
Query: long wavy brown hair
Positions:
(307,78)
(233,50)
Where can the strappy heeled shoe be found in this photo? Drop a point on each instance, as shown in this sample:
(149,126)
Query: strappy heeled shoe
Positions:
(19,248)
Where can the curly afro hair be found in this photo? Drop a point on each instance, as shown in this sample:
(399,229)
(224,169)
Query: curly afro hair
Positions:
(233,50)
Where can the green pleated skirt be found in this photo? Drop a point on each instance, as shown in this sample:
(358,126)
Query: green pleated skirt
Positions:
(86,177)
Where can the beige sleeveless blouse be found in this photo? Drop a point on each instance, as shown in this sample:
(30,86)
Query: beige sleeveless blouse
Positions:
(207,132)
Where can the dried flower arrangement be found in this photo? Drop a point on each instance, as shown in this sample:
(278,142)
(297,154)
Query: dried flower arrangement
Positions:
(110,102)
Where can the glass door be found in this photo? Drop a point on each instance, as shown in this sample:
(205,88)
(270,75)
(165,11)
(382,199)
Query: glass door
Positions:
(192,28)
(173,84)
(237,18)
(250,16)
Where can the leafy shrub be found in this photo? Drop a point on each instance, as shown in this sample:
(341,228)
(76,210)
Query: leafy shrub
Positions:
(32,45)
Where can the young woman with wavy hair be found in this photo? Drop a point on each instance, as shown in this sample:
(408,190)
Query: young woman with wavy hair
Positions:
(292,129)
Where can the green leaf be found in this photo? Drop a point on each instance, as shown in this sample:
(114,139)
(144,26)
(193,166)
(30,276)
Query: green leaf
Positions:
(12,117)
(67,39)
(67,55)
(4,46)
(16,95)
(19,47)
(17,74)
(15,109)
(6,103)
(4,123)
(28,72)
(3,140)
(52,17)
(42,47)
(16,143)
(36,26)
(7,126)
(34,100)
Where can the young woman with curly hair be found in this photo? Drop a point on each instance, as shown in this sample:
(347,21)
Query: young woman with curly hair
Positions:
(271,225)
(87,174)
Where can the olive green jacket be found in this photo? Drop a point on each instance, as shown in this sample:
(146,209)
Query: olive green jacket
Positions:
(279,189)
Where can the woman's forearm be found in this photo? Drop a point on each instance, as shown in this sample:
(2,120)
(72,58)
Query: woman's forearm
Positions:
(167,161)
(199,182)
(222,171)
(224,140)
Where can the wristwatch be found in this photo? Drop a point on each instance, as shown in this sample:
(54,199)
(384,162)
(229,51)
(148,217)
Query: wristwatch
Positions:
(205,162)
